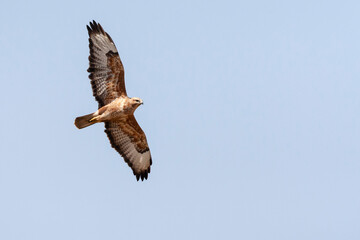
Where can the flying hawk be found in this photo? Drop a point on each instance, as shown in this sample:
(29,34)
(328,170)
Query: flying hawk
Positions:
(116,109)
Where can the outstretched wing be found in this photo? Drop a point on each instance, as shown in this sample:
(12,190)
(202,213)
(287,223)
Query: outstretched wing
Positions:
(106,69)
(127,137)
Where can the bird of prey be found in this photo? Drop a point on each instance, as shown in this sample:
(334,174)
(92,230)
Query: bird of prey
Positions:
(116,109)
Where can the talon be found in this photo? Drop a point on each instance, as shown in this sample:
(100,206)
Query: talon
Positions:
(93,119)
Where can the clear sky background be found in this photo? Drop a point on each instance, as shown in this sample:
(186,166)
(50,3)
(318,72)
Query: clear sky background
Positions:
(251,113)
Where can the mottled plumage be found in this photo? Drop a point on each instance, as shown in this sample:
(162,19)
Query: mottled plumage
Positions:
(116,109)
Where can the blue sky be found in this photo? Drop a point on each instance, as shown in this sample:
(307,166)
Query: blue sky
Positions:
(251,113)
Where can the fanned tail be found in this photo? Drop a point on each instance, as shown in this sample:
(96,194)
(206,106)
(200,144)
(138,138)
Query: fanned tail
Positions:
(84,121)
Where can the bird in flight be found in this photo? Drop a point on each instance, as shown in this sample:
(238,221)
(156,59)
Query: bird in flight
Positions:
(116,109)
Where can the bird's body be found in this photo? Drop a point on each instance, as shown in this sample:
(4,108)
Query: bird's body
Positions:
(116,109)
(120,108)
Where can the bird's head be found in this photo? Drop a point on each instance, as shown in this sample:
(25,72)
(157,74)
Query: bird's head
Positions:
(136,101)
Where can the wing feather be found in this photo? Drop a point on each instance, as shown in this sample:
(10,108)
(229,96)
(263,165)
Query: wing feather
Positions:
(127,137)
(105,67)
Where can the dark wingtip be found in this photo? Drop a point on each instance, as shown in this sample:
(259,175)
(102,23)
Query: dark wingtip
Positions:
(91,26)
(142,175)
(94,28)
(88,28)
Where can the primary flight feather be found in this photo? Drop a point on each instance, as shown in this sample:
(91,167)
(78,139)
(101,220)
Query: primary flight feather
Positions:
(116,109)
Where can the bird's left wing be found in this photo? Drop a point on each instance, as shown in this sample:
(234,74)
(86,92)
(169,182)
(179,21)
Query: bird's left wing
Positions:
(127,137)
(106,69)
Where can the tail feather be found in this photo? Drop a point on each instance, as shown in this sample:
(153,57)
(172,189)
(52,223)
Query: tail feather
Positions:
(84,121)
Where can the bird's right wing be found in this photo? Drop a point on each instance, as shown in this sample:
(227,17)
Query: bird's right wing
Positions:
(106,69)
